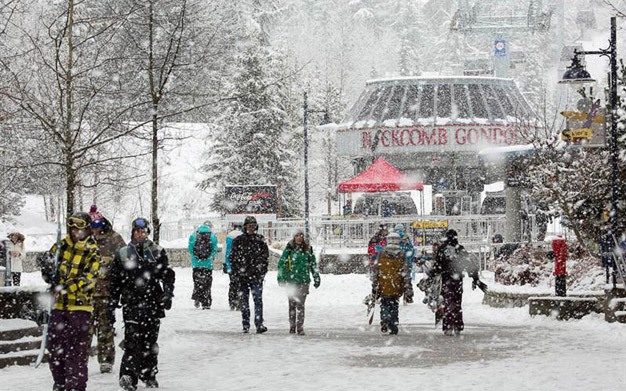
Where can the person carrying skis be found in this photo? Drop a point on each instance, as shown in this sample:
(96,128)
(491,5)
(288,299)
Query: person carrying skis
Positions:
(141,278)
(391,280)
(72,284)
(451,259)
(108,242)
(295,267)
(233,288)
(202,250)
(249,258)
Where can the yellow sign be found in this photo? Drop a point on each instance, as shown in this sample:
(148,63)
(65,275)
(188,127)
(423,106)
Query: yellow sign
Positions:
(576,134)
(430,224)
(580,116)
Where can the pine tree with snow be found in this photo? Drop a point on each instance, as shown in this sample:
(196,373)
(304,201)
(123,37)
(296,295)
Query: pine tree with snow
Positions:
(253,135)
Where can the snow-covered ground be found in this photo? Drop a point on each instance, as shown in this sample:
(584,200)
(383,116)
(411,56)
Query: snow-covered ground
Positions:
(501,349)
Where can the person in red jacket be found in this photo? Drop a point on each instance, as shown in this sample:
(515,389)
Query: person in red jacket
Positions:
(377,243)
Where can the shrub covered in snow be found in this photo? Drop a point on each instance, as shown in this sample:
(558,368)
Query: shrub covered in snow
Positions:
(534,266)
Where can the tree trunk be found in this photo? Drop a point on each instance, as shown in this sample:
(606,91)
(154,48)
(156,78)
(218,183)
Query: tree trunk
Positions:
(155,178)
(69,159)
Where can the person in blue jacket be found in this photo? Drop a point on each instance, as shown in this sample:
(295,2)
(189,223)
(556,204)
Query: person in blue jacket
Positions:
(233,288)
(202,250)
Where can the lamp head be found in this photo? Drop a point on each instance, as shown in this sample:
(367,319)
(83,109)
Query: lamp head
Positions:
(576,73)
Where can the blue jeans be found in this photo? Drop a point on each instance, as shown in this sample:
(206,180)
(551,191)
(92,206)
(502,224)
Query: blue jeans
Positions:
(256,288)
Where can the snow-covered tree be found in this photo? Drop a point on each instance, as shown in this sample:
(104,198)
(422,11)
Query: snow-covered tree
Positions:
(253,135)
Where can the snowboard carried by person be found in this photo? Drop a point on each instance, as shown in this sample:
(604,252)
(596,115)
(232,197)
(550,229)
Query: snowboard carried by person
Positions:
(430,284)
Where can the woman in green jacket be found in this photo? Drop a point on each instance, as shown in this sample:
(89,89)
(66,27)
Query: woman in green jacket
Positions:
(295,268)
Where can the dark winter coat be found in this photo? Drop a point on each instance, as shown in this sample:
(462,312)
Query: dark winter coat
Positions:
(451,260)
(109,242)
(297,264)
(141,278)
(249,258)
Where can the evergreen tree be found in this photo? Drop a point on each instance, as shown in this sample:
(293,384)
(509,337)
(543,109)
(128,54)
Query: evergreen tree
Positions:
(253,137)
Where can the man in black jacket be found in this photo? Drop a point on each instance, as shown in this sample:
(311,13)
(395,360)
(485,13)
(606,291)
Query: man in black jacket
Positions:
(451,259)
(249,258)
(142,278)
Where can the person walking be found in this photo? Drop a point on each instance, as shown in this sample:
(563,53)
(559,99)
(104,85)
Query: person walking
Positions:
(391,280)
(233,288)
(376,243)
(17,254)
(142,280)
(249,258)
(202,250)
(72,284)
(295,268)
(451,259)
(108,242)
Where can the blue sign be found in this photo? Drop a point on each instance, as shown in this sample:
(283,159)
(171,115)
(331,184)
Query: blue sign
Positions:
(499,47)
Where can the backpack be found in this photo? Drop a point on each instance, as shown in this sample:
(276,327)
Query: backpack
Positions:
(203,247)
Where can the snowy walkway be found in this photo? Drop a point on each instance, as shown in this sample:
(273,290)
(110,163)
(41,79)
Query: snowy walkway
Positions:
(501,349)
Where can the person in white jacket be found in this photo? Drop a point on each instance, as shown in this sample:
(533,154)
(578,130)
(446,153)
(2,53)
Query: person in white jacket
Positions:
(17,253)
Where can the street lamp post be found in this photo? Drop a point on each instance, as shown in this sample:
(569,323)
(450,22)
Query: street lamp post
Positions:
(305,120)
(576,73)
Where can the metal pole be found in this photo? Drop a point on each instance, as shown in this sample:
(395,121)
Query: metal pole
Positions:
(306,168)
(614,151)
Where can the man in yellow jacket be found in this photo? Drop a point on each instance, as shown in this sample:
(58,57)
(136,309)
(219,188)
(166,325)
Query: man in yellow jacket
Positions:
(72,284)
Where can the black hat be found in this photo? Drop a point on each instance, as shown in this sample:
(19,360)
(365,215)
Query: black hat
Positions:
(451,236)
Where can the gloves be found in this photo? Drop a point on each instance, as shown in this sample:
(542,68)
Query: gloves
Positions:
(316,281)
(166,301)
(110,313)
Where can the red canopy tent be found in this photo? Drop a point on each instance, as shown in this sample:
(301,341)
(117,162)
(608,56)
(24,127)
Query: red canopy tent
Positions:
(380,176)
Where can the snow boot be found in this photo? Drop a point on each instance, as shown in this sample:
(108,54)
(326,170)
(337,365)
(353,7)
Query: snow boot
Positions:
(106,367)
(292,330)
(261,329)
(246,330)
(393,329)
(301,332)
(152,383)
(126,382)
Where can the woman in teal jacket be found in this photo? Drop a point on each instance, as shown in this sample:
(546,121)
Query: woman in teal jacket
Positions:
(295,268)
(202,268)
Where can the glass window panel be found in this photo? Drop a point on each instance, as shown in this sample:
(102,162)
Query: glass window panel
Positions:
(411,102)
(369,105)
(393,106)
(492,103)
(382,102)
(444,101)
(478,105)
(427,102)
(503,98)
(460,99)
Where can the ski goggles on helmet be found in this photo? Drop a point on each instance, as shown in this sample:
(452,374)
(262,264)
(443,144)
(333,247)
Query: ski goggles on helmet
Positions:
(141,223)
(78,223)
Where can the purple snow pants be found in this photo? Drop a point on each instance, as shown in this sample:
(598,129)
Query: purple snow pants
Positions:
(68,335)
(452,292)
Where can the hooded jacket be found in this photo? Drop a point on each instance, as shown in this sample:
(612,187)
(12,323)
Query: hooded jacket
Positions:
(75,278)
(140,277)
(204,263)
(297,264)
(249,257)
